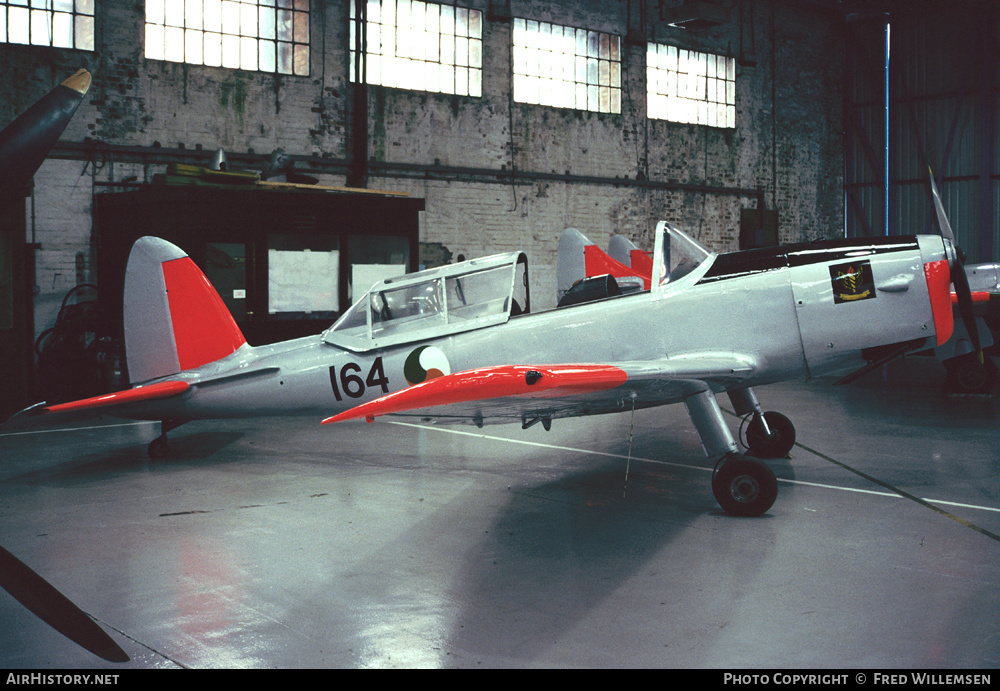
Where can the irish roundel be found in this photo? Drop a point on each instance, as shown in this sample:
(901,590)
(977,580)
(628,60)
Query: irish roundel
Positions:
(426,362)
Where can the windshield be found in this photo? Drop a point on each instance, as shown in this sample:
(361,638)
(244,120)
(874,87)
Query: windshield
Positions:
(679,254)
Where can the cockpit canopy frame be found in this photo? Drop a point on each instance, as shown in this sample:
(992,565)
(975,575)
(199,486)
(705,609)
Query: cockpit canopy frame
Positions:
(435,302)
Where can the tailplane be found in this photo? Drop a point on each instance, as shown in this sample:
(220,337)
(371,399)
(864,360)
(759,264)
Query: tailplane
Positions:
(174,319)
(579,259)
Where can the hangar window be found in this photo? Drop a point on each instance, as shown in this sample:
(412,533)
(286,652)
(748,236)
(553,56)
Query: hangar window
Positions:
(56,23)
(419,45)
(259,35)
(691,87)
(563,67)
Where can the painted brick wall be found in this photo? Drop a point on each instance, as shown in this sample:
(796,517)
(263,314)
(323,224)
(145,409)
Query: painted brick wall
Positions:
(787,142)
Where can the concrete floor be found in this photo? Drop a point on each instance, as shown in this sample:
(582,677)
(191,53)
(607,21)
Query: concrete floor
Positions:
(281,543)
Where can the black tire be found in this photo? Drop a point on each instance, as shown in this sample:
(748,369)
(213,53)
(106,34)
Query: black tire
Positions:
(966,375)
(158,449)
(744,487)
(780,442)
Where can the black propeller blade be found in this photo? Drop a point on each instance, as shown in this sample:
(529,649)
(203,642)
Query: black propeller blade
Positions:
(958,277)
(26,141)
(24,144)
(52,607)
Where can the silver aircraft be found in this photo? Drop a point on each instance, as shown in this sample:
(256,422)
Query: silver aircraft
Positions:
(461,344)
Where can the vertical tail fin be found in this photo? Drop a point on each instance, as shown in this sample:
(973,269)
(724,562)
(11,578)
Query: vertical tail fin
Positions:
(174,319)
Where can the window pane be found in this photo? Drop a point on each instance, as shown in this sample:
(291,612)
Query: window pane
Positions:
(193,44)
(476,83)
(248,53)
(230,17)
(230,51)
(173,44)
(267,59)
(62,30)
(285,58)
(267,23)
(301,60)
(194,12)
(284,25)
(212,16)
(154,42)
(40,35)
(248,20)
(213,49)
(174,13)
(155,11)
(301,21)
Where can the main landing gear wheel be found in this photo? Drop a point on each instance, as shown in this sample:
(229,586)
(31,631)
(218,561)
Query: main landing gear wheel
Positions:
(965,375)
(744,487)
(780,441)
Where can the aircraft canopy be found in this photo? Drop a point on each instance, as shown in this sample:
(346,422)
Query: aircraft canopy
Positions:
(435,302)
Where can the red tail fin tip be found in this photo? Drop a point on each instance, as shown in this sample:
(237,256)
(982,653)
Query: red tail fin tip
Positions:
(204,330)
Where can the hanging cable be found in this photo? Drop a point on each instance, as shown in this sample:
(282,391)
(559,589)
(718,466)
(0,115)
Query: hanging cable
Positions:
(628,462)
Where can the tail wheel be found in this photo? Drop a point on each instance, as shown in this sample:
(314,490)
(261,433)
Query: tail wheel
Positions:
(778,443)
(158,449)
(744,487)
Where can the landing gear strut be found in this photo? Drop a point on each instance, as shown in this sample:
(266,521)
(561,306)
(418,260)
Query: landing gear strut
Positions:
(742,486)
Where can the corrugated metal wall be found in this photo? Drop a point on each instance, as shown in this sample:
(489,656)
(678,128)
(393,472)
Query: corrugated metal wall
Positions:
(943,87)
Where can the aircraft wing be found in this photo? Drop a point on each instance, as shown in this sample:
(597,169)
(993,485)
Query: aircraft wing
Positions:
(527,393)
(115,404)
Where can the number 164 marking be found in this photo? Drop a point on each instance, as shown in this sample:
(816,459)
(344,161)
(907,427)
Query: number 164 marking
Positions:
(350,382)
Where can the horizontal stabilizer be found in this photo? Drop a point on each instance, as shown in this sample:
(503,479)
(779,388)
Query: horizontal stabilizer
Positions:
(40,415)
(578,258)
(624,251)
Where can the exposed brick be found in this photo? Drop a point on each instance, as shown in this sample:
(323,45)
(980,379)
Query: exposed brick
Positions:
(789,147)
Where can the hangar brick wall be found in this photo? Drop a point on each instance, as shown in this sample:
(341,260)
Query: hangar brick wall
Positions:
(787,142)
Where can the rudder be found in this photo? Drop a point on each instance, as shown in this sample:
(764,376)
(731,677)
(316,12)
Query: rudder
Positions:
(174,319)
